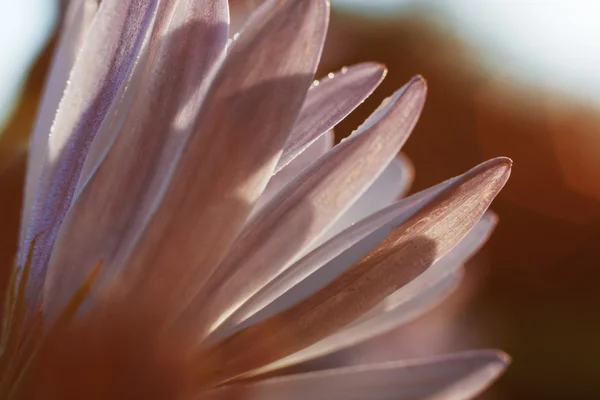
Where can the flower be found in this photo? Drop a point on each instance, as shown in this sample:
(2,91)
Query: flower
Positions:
(177,228)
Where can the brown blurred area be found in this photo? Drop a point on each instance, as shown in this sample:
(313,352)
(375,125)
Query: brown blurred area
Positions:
(537,296)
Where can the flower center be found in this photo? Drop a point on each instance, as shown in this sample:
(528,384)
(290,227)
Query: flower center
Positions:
(114,351)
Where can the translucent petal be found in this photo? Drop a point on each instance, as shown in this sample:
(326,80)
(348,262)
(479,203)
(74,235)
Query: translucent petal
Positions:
(112,45)
(77,22)
(137,144)
(386,319)
(392,184)
(307,206)
(409,302)
(246,116)
(287,174)
(327,103)
(408,251)
(458,376)
(330,259)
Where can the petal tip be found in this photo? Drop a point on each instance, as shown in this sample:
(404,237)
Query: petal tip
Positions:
(505,166)
(505,160)
(419,81)
(504,358)
(491,219)
(382,68)
(417,88)
(497,359)
(384,71)
(500,166)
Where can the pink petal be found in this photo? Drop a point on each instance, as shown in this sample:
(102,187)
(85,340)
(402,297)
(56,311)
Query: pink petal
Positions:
(287,174)
(379,320)
(223,167)
(353,243)
(101,68)
(408,251)
(327,103)
(450,262)
(458,376)
(300,213)
(136,147)
(410,301)
(392,184)
(77,22)
(322,265)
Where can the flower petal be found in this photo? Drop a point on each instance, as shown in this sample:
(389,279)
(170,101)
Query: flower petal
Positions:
(297,282)
(327,103)
(457,376)
(246,116)
(330,260)
(392,184)
(102,66)
(287,174)
(409,250)
(407,303)
(450,262)
(188,39)
(77,22)
(136,146)
(386,317)
(307,206)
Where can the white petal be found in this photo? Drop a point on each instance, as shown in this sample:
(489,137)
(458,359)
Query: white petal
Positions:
(75,27)
(386,319)
(136,145)
(298,215)
(330,260)
(450,262)
(458,376)
(409,250)
(412,300)
(246,114)
(102,67)
(287,174)
(391,185)
(327,103)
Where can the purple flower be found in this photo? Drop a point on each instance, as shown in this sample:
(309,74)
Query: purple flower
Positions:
(189,230)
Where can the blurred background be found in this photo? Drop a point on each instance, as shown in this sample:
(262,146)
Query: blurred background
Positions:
(517,78)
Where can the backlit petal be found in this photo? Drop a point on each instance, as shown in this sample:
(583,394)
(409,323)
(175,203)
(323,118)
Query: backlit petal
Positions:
(111,47)
(330,259)
(308,205)
(287,174)
(225,165)
(77,21)
(392,184)
(408,251)
(458,376)
(137,145)
(410,301)
(327,103)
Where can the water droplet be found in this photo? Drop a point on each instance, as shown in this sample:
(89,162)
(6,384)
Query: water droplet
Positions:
(344,70)
(315,83)
(330,75)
